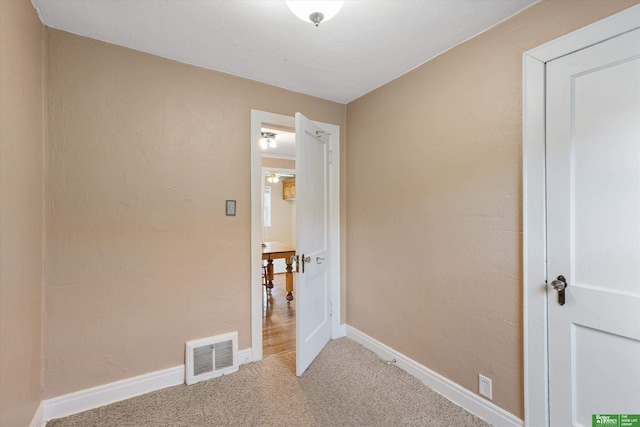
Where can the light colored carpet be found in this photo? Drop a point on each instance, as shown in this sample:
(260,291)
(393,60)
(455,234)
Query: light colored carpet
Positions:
(347,385)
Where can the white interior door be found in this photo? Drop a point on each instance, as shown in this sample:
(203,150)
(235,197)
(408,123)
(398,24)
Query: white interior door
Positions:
(593,231)
(313,326)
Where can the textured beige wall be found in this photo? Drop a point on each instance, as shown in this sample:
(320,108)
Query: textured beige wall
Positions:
(270,162)
(21,153)
(142,154)
(434,200)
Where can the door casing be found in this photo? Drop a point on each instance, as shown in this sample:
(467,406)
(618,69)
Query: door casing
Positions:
(536,378)
(258,118)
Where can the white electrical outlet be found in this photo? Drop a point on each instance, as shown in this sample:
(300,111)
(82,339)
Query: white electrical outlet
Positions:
(485,387)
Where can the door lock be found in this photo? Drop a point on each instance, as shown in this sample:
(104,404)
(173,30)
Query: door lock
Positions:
(305,260)
(560,285)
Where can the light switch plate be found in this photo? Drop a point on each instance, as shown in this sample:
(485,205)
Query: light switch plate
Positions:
(231,208)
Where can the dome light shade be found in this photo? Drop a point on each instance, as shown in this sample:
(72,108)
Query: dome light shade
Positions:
(315,11)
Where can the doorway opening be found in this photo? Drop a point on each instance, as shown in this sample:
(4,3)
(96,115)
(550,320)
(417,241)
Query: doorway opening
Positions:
(281,123)
(278,228)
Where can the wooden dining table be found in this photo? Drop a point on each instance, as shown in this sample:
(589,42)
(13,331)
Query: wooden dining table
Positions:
(277,250)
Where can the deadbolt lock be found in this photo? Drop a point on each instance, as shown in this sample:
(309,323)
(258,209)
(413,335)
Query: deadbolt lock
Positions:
(305,260)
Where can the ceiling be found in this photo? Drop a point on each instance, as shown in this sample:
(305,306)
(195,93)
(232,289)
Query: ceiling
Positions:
(368,43)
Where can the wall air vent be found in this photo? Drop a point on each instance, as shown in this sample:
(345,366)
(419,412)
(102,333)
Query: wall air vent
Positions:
(211,357)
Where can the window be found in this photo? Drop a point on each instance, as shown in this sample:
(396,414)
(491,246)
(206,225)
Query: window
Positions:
(267,207)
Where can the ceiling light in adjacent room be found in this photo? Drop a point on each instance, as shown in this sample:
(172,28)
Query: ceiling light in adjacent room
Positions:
(315,11)
(273,178)
(268,140)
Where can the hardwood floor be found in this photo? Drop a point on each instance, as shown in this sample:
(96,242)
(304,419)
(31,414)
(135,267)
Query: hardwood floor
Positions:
(278,320)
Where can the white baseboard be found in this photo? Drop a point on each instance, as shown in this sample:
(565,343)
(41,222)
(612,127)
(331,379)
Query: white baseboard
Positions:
(245,356)
(95,397)
(457,394)
(38,417)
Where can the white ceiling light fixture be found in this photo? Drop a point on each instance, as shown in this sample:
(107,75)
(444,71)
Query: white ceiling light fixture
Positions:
(315,11)
(268,140)
(273,178)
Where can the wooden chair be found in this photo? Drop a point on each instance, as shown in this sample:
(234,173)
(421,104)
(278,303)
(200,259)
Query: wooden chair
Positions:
(265,282)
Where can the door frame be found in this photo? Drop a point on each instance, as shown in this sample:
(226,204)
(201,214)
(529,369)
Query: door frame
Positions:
(258,118)
(536,374)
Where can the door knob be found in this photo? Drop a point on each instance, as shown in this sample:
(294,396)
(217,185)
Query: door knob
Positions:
(559,285)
